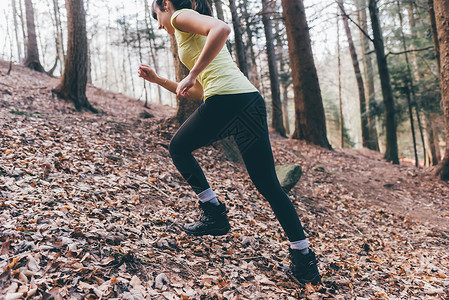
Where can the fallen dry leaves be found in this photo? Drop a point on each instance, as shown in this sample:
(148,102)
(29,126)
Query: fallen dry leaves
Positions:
(91,207)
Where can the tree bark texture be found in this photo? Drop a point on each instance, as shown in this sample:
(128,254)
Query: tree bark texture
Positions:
(74,78)
(253,74)
(185,107)
(433,155)
(433,28)
(284,102)
(23,23)
(340,100)
(419,76)
(284,76)
(310,120)
(59,37)
(219,11)
(16,29)
(391,153)
(369,75)
(358,77)
(410,89)
(127,39)
(238,34)
(150,32)
(276,119)
(32,59)
(442,23)
(285,79)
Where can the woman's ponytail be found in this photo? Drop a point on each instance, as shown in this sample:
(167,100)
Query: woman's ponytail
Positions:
(201,6)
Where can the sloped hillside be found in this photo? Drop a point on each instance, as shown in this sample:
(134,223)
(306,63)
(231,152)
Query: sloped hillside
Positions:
(91,207)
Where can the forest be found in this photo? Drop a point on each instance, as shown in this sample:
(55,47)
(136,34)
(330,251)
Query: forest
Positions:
(356,93)
(398,110)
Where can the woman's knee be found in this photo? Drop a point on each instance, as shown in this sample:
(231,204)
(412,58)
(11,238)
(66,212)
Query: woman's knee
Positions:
(175,146)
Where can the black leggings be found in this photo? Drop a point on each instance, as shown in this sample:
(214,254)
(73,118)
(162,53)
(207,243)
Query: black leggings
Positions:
(243,116)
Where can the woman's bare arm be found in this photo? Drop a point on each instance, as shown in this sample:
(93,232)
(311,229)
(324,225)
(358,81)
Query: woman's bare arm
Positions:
(147,73)
(217,33)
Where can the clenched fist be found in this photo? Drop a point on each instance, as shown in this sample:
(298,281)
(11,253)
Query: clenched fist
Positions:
(147,73)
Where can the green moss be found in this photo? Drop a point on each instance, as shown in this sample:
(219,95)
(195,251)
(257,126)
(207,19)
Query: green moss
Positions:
(23,113)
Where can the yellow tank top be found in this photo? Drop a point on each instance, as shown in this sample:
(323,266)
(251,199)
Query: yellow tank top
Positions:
(221,76)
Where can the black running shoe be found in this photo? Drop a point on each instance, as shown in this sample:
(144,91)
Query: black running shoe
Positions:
(304,268)
(213,221)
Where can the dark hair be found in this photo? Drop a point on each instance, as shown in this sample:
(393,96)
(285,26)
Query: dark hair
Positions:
(201,6)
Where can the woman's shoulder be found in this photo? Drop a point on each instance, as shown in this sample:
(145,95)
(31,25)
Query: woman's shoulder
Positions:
(180,11)
(176,14)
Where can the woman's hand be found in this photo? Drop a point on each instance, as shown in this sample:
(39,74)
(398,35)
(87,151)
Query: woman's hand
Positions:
(189,87)
(184,85)
(147,73)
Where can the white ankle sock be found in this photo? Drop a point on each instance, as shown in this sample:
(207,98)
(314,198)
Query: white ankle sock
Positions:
(300,245)
(208,196)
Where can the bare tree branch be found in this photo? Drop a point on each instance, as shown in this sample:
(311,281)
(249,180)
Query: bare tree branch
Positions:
(353,22)
(408,51)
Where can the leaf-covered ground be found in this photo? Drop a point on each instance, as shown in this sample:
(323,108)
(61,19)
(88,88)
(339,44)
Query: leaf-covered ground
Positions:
(91,207)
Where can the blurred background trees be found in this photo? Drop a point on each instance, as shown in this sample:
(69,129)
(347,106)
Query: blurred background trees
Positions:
(397,110)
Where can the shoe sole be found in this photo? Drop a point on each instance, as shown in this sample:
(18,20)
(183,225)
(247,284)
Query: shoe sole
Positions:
(315,281)
(215,232)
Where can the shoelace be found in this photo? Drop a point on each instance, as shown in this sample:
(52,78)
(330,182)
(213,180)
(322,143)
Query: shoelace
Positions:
(204,218)
(312,263)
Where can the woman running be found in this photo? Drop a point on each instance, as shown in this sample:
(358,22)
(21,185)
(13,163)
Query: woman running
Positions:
(232,106)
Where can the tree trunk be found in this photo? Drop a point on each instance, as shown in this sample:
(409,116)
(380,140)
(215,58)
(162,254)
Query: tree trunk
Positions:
(185,107)
(310,120)
(219,9)
(16,29)
(434,155)
(139,48)
(285,109)
(285,77)
(89,63)
(23,21)
(74,78)
(442,24)
(276,120)
(370,93)
(150,32)
(358,75)
(125,27)
(253,73)
(409,88)
(284,73)
(340,100)
(41,45)
(52,70)
(412,123)
(391,153)
(433,28)
(436,142)
(238,33)
(220,16)
(59,37)
(419,77)
(107,56)
(32,58)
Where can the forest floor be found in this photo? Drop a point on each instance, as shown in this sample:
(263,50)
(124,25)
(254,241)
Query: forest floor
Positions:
(91,206)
